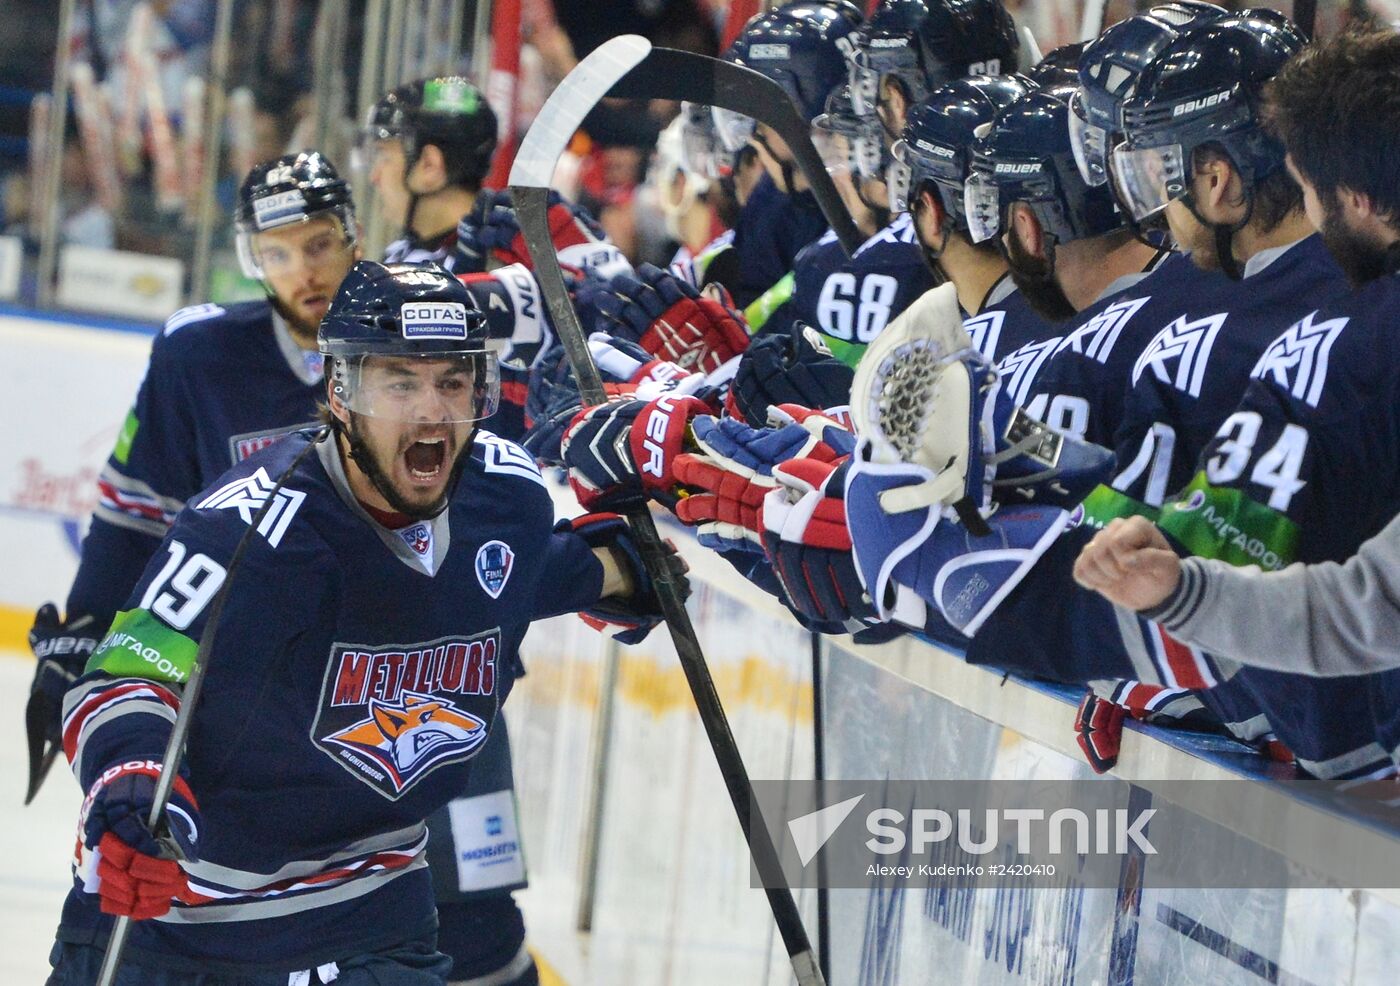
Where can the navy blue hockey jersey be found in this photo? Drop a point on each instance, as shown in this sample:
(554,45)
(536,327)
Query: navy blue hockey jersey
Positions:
(222,383)
(1083,385)
(771,230)
(1192,373)
(328,734)
(1006,323)
(1306,468)
(850,299)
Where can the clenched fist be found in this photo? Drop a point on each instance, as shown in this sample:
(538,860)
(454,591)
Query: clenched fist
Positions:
(1130,563)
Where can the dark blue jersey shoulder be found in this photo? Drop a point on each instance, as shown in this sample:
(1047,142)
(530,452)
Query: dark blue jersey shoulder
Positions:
(852,298)
(1006,325)
(771,230)
(1089,373)
(1192,373)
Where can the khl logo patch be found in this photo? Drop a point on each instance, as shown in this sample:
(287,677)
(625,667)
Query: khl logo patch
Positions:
(493,563)
(419,537)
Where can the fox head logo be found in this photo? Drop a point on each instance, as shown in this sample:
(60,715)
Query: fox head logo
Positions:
(406,738)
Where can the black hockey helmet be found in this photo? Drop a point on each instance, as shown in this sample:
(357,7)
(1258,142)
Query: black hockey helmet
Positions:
(925,43)
(1060,67)
(936,148)
(801,46)
(290,189)
(1205,88)
(1024,156)
(407,310)
(1108,72)
(448,112)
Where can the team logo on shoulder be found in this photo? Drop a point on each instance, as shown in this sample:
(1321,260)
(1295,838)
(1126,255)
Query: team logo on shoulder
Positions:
(247,496)
(391,715)
(419,537)
(493,564)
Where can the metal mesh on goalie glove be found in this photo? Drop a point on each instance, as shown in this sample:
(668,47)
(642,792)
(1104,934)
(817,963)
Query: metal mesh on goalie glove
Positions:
(623,451)
(638,613)
(809,546)
(789,368)
(136,873)
(490,234)
(672,320)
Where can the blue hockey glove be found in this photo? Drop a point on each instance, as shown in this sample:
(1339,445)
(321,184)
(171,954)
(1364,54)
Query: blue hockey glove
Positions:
(137,872)
(671,320)
(639,612)
(62,649)
(789,368)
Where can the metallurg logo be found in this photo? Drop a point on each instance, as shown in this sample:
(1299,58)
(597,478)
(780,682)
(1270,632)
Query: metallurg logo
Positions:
(391,715)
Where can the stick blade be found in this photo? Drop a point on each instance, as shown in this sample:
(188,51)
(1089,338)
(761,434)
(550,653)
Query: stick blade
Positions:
(569,103)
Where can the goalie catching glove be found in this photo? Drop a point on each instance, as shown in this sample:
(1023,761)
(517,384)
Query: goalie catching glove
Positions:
(135,872)
(924,397)
(671,320)
(640,611)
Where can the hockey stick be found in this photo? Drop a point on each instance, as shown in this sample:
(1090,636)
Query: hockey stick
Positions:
(664,73)
(545,141)
(1305,16)
(189,698)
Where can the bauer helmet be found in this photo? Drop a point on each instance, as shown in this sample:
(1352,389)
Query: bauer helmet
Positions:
(801,46)
(1024,155)
(1108,71)
(935,151)
(925,43)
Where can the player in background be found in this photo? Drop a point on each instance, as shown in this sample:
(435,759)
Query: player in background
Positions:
(905,48)
(223,381)
(1066,244)
(1082,384)
(802,47)
(1326,725)
(932,160)
(378,733)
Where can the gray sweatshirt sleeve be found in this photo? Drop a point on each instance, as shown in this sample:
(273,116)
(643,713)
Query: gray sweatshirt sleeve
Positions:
(1326,620)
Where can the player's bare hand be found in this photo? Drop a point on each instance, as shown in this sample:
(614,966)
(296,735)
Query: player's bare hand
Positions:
(1130,563)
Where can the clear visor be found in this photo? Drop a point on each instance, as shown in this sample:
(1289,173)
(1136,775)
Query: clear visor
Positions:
(735,130)
(1089,143)
(865,85)
(701,153)
(427,388)
(898,179)
(835,149)
(983,207)
(1148,178)
(285,249)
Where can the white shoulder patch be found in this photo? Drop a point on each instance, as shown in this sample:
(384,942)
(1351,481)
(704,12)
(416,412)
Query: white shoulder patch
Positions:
(501,456)
(187,316)
(247,496)
(1297,360)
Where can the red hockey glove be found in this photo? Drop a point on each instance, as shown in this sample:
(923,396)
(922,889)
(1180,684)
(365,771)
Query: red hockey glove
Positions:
(671,320)
(137,874)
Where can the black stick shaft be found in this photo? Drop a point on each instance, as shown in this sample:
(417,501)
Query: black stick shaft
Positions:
(531,205)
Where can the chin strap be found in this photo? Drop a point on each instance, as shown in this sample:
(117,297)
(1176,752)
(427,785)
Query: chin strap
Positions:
(1224,234)
(361,455)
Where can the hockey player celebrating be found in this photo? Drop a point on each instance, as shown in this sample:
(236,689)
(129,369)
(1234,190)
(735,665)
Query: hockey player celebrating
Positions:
(324,740)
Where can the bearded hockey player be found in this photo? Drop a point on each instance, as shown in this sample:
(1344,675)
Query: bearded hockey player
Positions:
(391,582)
